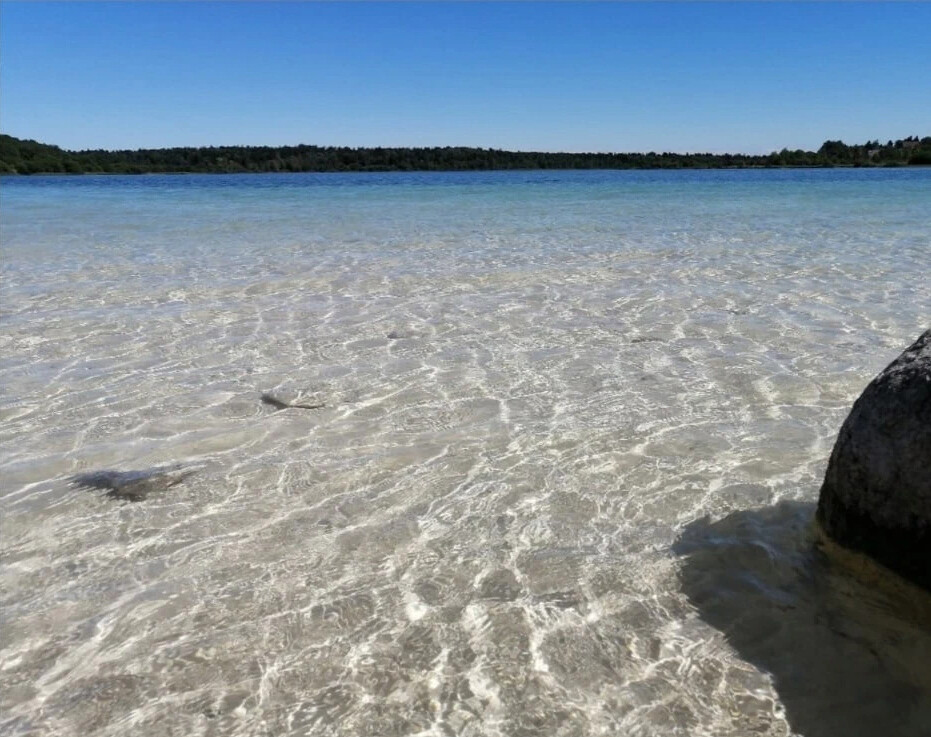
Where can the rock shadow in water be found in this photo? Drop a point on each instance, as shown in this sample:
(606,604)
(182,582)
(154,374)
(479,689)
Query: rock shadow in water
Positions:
(848,658)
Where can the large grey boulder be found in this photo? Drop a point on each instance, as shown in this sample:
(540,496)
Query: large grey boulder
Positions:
(876,496)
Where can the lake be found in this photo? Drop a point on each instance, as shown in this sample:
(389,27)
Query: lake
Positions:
(574,427)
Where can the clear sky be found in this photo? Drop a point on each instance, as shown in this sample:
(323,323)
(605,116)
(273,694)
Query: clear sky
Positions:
(738,77)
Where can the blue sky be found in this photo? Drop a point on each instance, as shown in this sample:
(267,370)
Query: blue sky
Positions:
(739,77)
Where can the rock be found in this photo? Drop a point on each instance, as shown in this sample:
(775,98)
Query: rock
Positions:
(876,496)
(134,486)
(410,330)
(500,585)
(280,402)
(403,334)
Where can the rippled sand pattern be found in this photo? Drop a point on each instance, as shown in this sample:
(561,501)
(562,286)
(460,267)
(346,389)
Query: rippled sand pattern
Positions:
(542,497)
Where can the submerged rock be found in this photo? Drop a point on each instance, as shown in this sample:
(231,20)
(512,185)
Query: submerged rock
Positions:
(500,585)
(876,496)
(281,402)
(403,334)
(134,486)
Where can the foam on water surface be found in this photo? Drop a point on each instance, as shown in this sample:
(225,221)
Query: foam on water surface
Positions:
(574,425)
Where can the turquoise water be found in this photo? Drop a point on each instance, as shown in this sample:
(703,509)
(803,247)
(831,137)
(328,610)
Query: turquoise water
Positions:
(574,426)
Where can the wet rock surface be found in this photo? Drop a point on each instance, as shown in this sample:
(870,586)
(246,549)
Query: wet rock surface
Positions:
(876,496)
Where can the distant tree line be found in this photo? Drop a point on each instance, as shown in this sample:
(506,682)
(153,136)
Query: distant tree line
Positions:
(19,156)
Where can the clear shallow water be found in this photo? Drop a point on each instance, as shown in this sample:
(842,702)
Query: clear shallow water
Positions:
(569,495)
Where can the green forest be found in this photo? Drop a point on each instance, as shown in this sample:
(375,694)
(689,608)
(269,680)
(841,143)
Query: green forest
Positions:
(18,156)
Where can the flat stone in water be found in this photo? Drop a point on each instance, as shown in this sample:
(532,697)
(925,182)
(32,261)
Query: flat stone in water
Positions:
(133,486)
(278,403)
(500,585)
(401,335)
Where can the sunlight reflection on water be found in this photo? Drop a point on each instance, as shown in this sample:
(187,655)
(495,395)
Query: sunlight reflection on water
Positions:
(536,386)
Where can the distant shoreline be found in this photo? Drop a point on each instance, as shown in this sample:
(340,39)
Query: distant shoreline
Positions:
(19,156)
(65,175)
